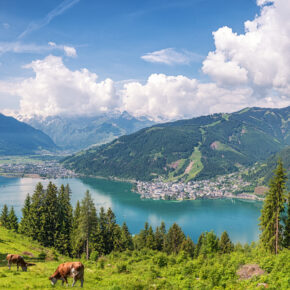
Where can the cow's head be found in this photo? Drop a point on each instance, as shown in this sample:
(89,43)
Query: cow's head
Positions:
(24,267)
(53,280)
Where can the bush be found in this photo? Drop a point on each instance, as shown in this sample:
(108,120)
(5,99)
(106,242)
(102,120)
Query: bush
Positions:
(122,267)
(42,256)
(161,260)
(94,256)
(101,262)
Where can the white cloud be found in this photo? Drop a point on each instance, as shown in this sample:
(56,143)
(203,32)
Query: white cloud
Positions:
(6,25)
(260,57)
(170,56)
(57,90)
(20,47)
(69,50)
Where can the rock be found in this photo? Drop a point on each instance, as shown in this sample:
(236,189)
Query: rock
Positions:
(249,270)
(265,285)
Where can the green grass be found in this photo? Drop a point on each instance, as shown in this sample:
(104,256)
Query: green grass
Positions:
(143,270)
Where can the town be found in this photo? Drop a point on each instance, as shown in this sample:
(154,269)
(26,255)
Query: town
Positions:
(43,169)
(226,186)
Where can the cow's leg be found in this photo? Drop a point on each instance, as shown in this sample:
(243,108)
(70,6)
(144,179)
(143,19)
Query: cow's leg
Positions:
(17,266)
(74,280)
(9,265)
(82,282)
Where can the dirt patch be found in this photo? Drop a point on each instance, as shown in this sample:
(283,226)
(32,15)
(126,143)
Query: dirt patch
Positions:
(250,270)
(214,145)
(188,168)
(174,165)
(27,254)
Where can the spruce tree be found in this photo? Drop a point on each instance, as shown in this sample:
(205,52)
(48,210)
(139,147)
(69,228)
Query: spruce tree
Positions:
(25,223)
(225,244)
(12,220)
(4,217)
(49,217)
(87,221)
(188,247)
(174,239)
(112,233)
(64,226)
(126,238)
(77,243)
(36,213)
(270,225)
(199,245)
(150,239)
(286,235)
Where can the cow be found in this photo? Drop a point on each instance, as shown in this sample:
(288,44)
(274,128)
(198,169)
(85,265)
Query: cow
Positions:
(19,261)
(68,269)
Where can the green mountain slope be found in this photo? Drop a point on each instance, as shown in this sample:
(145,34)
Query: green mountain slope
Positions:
(264,171)
(197,148)
(18,138)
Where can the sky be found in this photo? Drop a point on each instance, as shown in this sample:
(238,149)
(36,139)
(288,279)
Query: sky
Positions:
(164,59)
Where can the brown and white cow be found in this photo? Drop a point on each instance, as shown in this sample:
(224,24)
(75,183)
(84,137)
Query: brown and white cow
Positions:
(18,260)
(68,269)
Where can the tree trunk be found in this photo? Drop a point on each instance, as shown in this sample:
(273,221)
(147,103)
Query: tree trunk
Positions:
(87,248)
(277,233)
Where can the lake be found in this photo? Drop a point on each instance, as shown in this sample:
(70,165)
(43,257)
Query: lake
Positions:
(239,218)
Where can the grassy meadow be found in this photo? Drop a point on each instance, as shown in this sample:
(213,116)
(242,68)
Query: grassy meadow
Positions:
(144,269)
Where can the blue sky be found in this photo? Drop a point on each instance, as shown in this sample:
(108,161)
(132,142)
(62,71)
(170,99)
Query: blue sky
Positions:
(110,36)
(138,48)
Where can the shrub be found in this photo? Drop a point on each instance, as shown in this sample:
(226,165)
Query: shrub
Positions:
(122,267)
(42,256)
(94,256)
(161,260)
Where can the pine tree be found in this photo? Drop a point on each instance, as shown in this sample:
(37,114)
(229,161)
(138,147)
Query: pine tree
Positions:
(36,213)
(174,239)
(12,220)
(225,244)
(150,239)
(87,221)
(4,217)
(112,233)
(64,226)
(199,245)
(77,243)
(286,236)
(49,217)
(188,247)
(270,225)
(25,223)
(210,243)
(126,238)
(140,239)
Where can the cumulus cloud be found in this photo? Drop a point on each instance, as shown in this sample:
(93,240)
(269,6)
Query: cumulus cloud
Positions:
(170,56)
(68,50)
(57,90)
(260,57)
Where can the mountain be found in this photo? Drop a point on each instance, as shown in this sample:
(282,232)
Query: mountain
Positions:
(197,148)
(79,132)
(263,172)
(18,138)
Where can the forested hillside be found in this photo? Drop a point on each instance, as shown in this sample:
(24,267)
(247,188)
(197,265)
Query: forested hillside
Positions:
(198,148)
(18,138)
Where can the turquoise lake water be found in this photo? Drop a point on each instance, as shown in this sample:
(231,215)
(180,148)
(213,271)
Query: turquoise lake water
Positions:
(238,218)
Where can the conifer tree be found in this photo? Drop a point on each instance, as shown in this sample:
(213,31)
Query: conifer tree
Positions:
(160,234)
(210,243)
(64,226)
(98,242)
(12,220)
(225,244)
(87,221)
(36,213)
(49,217)
(286,236)
(150,239)
(270,225)
(4,217)
(141,238)
(25,223)
(174,239)
(77,243)
(199,244)
(126,238)
(112,232)
(188,247)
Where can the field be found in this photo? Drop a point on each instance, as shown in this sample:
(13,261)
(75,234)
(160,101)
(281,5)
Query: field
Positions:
(145,269)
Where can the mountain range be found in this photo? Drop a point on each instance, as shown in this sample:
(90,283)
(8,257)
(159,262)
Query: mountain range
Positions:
(197,148)
(73,133)
(18,138)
